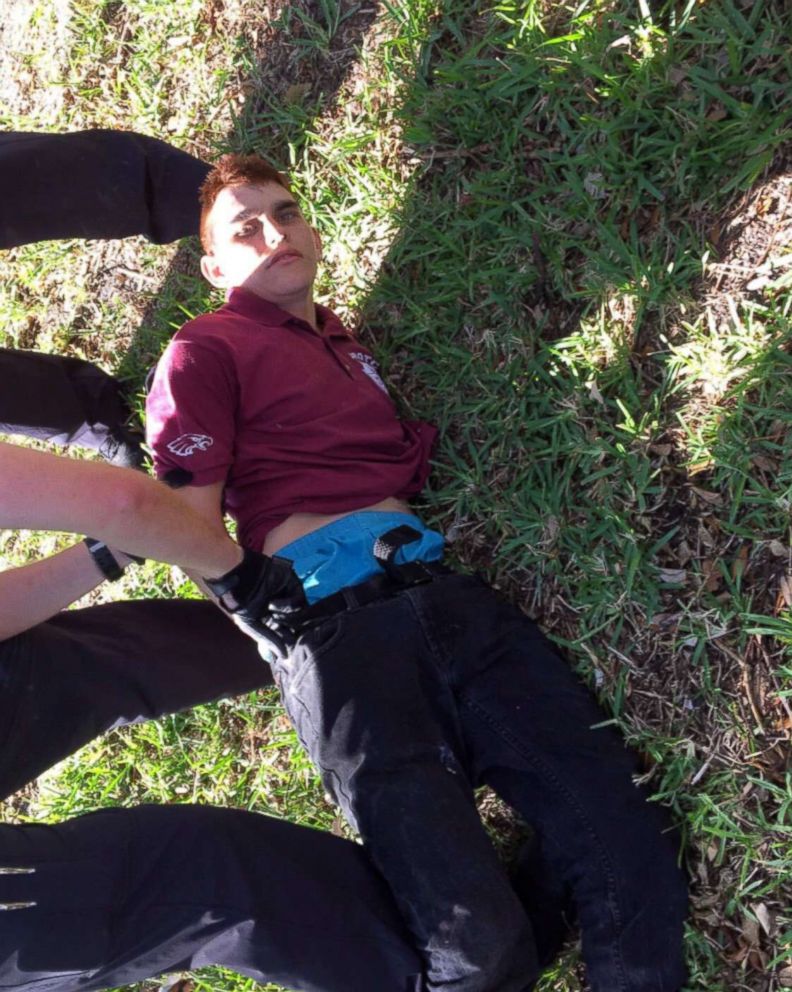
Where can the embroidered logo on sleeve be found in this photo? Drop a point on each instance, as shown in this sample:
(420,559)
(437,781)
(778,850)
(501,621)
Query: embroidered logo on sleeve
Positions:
(369,366)
(188,444)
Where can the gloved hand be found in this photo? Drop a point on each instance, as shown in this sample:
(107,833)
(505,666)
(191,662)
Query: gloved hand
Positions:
(257,586)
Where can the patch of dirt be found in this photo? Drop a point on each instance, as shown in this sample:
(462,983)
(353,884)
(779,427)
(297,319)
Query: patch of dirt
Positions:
(34,45)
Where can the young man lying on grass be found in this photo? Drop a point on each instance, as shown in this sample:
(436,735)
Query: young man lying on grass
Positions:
(123,895)
(410,685)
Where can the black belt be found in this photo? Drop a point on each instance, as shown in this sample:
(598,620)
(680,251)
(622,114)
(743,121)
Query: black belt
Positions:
(381,586)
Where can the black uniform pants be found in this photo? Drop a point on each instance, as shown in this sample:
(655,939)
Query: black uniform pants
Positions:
(85,671)
(96,184)
(66,401)
(119,896)
(109,184)
(409,703)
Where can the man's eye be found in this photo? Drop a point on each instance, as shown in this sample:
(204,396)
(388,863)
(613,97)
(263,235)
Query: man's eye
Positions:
(247,231)
(289,214)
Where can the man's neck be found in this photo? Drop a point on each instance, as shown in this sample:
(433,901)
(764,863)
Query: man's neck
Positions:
(302,307)
(305,311)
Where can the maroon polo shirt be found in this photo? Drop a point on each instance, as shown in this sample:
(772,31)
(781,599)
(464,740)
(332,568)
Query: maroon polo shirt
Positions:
(293,420)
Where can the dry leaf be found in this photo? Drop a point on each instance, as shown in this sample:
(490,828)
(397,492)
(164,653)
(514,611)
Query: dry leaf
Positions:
(764,463)
(662,621)
(551,530)
(711,573)
(594,392)
(593,184)
(757,959)
(764,917)
(750,932)
(784,592)
(785,977)
(778,549)
(714,499)
(673,575)
(740,562)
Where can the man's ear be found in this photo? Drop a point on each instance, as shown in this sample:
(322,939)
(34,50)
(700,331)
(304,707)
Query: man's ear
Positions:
(317,243)
(212,272)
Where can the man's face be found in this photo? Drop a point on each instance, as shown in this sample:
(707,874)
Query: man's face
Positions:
(261,241)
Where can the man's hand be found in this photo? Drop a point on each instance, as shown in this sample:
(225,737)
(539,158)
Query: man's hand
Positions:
(258,585)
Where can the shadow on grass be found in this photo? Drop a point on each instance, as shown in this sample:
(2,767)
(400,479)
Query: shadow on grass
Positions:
(568,187)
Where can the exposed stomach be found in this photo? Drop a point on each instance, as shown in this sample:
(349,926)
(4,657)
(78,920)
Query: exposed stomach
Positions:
(300,524)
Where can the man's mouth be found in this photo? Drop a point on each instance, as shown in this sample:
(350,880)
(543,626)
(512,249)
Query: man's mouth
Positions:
(288,254)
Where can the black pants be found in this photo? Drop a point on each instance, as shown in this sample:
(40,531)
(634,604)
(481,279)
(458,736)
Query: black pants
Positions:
(85,671)
(106,184)
(119,896)
(66,401)
(408,704)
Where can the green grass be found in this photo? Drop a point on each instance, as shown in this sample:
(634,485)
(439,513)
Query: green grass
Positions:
(528,208)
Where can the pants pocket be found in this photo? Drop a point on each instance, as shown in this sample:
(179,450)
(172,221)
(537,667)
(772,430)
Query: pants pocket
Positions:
(299,682)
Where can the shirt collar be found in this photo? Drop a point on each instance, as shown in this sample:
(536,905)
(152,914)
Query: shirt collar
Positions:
(247,304)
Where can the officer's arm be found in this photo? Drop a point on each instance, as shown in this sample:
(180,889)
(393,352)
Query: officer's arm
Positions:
(206,502)
(33,593)
(122,507)
(249,588)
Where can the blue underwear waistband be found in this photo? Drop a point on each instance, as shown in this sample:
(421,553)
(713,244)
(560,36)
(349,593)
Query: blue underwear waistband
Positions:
(341,553)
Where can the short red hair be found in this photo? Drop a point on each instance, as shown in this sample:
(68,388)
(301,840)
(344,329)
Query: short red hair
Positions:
(234,170)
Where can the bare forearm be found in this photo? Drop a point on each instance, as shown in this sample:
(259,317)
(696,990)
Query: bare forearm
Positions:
(33,593)
(122,507)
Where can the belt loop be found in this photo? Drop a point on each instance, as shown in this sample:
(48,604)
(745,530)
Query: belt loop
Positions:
(351,598)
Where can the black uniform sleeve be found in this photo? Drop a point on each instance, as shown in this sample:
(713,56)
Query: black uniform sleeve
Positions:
(67,401)
(96,184)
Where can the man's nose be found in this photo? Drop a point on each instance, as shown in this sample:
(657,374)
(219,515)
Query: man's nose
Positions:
(272,233)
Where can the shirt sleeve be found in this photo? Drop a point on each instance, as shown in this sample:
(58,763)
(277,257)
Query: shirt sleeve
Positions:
(190,413)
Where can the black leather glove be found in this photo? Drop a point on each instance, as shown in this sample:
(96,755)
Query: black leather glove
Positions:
(256,587)
(259,585)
